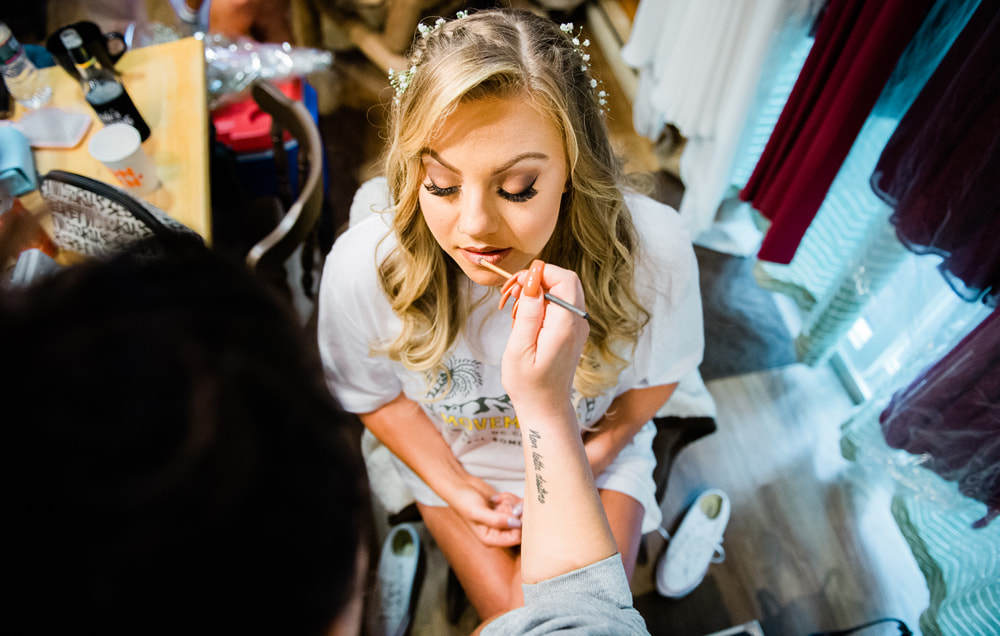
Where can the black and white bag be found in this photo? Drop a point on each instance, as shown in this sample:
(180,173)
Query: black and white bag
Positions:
(95,219)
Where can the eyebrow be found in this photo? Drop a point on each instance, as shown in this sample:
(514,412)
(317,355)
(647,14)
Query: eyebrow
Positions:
(507,166)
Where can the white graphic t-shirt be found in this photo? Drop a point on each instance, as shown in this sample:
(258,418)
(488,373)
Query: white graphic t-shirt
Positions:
(468,404)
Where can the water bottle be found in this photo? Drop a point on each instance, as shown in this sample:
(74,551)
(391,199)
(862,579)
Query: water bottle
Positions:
(23,80)
(102,90)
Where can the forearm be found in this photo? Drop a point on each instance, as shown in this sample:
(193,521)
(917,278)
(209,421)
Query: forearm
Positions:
(406,430)
(565,527)
(626,416)
(400,22)
(374,47)
(559,493)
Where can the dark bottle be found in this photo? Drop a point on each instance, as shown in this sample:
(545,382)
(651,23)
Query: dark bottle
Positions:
(101,88)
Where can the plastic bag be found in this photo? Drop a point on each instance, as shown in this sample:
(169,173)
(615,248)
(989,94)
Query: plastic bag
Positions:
(232,65)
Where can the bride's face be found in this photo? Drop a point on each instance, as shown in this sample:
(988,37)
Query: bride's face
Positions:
(494,176)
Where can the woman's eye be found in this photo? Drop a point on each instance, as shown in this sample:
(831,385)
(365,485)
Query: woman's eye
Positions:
(519,197)
(440,192)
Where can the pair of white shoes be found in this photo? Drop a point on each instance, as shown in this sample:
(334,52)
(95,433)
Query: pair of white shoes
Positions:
(696,544)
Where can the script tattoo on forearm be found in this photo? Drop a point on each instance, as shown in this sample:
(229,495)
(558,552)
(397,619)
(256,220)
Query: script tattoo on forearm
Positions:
(536,460)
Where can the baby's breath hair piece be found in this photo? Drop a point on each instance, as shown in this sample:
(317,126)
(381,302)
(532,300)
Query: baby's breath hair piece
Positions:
(580,46)
(401,81)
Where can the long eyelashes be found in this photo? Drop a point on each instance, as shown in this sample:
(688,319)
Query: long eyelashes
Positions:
(514,197)
(440,192)
(519,197)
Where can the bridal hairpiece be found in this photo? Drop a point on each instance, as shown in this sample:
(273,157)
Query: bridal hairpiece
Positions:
(401,81)
(580,46)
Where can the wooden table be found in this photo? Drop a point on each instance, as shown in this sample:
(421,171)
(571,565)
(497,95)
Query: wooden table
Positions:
(167,84)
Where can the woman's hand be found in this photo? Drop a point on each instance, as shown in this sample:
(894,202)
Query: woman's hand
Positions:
(546,340)
(566,528)
(494,517)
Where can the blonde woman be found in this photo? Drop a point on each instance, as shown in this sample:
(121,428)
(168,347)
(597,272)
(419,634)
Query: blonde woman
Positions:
(499,153)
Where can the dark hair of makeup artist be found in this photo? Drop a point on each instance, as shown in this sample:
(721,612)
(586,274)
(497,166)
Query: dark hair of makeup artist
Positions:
(176,462)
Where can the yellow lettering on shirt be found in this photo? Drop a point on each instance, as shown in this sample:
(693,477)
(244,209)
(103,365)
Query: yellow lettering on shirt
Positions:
(480,423)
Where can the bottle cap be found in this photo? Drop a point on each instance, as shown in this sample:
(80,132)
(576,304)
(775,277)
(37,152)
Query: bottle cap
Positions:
(74,46)
(71,39)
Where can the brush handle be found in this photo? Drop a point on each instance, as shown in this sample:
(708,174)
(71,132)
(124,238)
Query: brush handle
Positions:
(549,297)
(567,306)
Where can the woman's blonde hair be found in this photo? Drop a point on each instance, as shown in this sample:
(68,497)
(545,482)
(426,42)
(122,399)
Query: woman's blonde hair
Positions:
(501,54)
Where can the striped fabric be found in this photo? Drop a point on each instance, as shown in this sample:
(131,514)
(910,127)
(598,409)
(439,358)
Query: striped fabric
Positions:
(850,253)
(961,565)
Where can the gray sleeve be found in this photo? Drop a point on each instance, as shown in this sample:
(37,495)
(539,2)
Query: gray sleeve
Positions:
(593,600)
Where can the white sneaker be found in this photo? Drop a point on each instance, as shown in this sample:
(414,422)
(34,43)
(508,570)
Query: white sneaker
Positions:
(397,582)
(696,544)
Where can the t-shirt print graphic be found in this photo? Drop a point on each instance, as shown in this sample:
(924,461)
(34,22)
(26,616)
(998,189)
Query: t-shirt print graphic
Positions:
(457,397)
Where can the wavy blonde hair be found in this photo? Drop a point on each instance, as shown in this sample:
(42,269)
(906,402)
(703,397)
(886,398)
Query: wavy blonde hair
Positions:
(501,54)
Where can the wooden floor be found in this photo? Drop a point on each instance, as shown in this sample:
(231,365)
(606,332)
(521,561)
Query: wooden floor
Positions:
(807,549)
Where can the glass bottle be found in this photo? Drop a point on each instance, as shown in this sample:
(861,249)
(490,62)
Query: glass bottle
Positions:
(22,78)
(102,90)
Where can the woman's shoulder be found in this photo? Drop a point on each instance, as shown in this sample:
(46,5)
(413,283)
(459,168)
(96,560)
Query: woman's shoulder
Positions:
(661,232)
(367,238)
(353,261)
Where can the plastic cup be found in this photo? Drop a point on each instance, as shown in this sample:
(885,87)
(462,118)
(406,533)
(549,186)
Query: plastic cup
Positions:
(119,148)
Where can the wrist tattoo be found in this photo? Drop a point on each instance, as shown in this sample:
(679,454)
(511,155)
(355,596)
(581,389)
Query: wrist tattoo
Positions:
(536,460)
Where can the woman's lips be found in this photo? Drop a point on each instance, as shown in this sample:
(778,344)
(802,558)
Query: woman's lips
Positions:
(491,256)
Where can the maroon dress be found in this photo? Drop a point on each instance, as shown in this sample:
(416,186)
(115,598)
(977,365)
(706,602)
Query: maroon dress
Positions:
(951,415)
(857,46)
(940,170)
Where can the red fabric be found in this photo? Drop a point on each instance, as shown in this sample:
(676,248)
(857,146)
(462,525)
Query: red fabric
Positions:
(857,46)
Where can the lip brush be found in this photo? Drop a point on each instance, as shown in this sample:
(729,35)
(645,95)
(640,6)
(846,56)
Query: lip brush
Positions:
(549,297)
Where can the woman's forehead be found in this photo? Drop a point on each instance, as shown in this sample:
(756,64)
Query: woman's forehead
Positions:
(497,130)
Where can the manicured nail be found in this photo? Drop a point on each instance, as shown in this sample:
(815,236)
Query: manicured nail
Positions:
(514,289)
(513,522)
(518,509)
(533,283)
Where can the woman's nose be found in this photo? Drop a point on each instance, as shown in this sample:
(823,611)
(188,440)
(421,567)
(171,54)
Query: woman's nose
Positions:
(477,216)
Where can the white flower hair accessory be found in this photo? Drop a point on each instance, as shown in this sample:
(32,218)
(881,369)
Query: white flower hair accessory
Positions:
(580,46)
(401,81)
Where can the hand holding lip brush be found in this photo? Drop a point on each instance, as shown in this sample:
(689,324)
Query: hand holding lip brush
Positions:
(508,286)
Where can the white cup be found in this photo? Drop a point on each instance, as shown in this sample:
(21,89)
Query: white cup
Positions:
(119,148)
